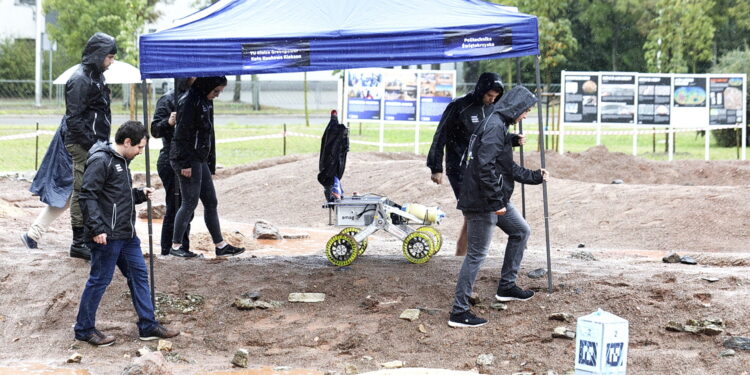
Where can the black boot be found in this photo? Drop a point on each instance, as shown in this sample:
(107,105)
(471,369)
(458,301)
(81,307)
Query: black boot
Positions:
(79,249)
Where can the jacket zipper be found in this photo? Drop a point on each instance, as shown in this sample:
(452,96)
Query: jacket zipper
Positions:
(132,201)
(114,216)
(93,125)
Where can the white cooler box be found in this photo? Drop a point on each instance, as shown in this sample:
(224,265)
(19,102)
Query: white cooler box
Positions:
(601,344)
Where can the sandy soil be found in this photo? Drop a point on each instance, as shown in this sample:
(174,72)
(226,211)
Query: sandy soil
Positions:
(692,207)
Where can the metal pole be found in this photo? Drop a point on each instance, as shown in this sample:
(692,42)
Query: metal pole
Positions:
(520,131)
(36,149)
(544,183)
(38,58)
(144,91)
(284,153)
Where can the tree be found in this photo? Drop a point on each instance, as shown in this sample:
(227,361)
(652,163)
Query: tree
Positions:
(77,20)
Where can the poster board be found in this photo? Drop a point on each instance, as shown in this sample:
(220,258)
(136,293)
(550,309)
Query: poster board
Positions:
(580,97)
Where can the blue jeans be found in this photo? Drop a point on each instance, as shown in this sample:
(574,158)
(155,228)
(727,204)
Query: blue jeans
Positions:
(480,228)
(127,256)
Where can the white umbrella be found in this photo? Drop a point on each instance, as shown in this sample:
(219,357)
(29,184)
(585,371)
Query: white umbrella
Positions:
(118,72)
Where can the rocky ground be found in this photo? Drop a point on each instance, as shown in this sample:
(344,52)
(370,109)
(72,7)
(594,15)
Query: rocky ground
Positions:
(606,245)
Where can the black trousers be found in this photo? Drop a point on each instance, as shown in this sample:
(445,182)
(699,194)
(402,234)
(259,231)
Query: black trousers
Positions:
(173,201)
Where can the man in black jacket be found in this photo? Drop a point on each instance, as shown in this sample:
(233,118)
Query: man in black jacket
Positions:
(485,201)
(332,160)
(165,119)
(456,125)
(89,119)
(108,202)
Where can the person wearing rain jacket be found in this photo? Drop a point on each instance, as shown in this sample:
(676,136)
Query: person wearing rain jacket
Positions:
(87,108)
(488,184)
(165,119)
(332,161)
(193,157)
(459,120)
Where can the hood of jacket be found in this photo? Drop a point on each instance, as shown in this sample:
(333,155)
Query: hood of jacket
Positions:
(204,85)
(487,82)
(513,104)
(97,48)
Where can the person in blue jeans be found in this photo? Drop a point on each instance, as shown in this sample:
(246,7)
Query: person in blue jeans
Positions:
(485,202)
(108,202)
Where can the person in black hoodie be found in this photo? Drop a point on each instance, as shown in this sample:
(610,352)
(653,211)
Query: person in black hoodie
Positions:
(193,157)
(332,160)
(108,202)
(165,119)
(459,119)
(485,202)
(89,119)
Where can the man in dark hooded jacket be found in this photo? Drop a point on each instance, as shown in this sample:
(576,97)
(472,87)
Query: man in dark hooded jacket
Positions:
(459,119)
(485,201)
(89,119)
(332,161)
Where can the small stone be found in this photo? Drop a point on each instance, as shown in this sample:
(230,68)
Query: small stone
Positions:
(710,279)
(164,346)
(537,273)
(307,297)
(126,356)
(254,295)
(727,353)
(485,360)
(499,306)
(617,181)
(422,328)
(687,259)
(282,368)
(244,304)
(737,342)
(715,321)
(691,328)
(241,357)
(410,315)
(673,326)
(392,365)
(671,258)
(264,230)
(581,246)
(367,358)
(563,333)
(711,330)
(75,358)
(263,305)
(583,255)
(152,363)
(563,317)
(143,351)
(351,369)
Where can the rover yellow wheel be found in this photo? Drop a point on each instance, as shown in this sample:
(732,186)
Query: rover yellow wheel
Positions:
(342,249)
(352,231)
(418,247)
(437,237)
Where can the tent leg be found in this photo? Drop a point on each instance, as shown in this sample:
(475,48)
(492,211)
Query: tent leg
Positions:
(144,91)
(520,131)
(543,164)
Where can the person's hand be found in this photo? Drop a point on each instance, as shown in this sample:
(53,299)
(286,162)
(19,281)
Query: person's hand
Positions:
(521,139)
(545,174)
(101,239)
(437,177)
(501,211)
(172,119)
(187,172)
(149,192)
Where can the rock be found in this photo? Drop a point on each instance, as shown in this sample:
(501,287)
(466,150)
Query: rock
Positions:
(537,273)
(474,299)
(307,297)
(581,246)
(152,363)
(392,365)
(710,330)
(715,321)
(563,333)
(367,358)
(710,279)
(282,368)
(244,304)
(687,259)
(727,353)
(264,230)
(737,342)
(410,315)
(241,357)
(295,236)
(563,317)
(164,346)
(75,358)
(583,255)
(422,329)
(157,212)
(143,351)
(673,326)
(617,181)
(485,360)
(671,258)
(499,306)
(254,295)
(350,369)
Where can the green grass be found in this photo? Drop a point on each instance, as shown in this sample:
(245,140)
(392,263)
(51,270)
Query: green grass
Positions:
(18,155)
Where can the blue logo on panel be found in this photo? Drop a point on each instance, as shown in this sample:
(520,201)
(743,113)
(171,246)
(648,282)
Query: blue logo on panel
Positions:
(614,354)
(587,353)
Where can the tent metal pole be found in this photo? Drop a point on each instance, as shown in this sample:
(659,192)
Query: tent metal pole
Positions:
(543,164)
(144,91)
(520,131)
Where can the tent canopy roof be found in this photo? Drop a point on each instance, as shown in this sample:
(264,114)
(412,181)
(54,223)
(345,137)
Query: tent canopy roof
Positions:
(261,36)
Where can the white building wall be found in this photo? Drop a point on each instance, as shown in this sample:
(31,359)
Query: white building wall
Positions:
(16,20)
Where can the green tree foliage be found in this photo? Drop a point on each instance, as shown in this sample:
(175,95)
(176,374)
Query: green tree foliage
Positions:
(77,20)
(17,59)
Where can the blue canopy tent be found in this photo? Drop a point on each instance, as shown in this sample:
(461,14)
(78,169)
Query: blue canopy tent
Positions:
(234,37)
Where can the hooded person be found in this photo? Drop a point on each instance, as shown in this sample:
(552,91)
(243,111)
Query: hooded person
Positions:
(451,138)
(334,147)
(193,158)
(162,126)
(489,178)
(89,119)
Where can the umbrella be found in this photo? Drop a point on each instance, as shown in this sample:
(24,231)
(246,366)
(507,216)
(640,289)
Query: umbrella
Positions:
(118,72)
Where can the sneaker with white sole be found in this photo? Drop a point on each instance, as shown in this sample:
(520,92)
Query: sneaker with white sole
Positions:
(514,293)
(466,319)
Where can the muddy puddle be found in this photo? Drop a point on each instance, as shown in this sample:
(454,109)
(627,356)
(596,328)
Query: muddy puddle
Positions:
(264,371)
(38,369)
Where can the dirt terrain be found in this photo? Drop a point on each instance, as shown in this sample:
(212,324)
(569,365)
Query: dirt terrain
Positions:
(606,240)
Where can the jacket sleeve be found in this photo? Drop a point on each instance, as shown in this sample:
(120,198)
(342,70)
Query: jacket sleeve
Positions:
(526,176)
(437,149)
(93,183)
(76,104)
(184,134)
(139,196)
(160,124)
(489,176)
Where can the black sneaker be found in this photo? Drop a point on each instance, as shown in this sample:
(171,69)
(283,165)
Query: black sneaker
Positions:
(159,332)
(80,251)
(466,319)
(99,339)
(28,241)
(182,253)
(513,293)
(229,250)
